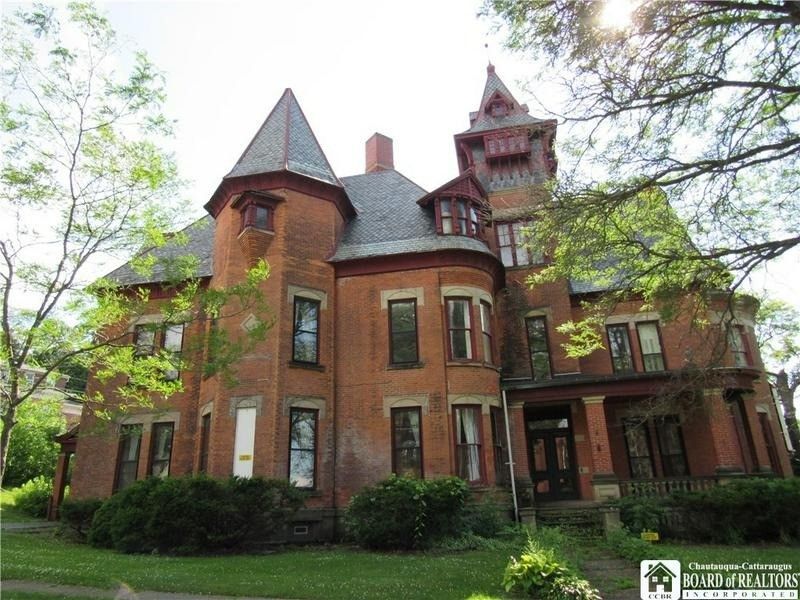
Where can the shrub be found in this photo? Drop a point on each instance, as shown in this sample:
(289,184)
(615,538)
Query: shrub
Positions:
(405,513)
(189,515)
(749,510)
(539,572)
(641,513)
(626,545)
(31,450)
(485,518)
(33,496)
(77,515)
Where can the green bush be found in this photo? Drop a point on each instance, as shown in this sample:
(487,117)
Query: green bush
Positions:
(77,515)
(31,450)
(485,518)
(539,572)
(190,515)
(745,511)
(641,513)
(405,513)
(33,496)
(627,545)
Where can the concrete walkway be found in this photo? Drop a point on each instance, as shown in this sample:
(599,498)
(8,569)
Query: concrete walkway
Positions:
(122,593)
(28,526)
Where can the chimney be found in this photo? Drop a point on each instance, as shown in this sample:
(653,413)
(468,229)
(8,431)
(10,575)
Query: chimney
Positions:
(380,155)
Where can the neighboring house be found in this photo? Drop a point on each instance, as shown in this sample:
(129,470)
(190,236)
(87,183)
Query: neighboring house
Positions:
(54,388)
(402,318)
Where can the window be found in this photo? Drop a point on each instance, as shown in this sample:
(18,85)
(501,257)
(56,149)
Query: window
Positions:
(486,330)
(511,241)
(769,441)
(257,216)
(406,442)
(670,446)
(620,347)
(650,343)
(403,331)
(302,447)
(160,449)
(144,340)
(172,344)
(637,441)
(457,216)
(459,327)
(737,341)
(130,439)
(205,433)
(499,446)
(537,344)
(305,343)
(468,442)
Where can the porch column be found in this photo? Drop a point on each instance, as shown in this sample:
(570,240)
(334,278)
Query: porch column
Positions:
(604,480)
(727,454)
(59,485)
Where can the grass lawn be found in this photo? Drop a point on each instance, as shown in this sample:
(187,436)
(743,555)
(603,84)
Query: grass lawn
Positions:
(328,573)
(687,553)
(13,595)
(8,511)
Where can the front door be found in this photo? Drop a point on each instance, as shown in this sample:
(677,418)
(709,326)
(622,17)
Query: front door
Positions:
(551,455)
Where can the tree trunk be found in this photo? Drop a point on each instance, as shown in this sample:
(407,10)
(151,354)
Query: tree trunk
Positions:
(5,436)
(786,394)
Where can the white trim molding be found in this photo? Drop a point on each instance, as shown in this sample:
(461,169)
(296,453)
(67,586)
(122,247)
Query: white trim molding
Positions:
(417,294)
(310,293)
(485,400)
(404,401)
(310,402)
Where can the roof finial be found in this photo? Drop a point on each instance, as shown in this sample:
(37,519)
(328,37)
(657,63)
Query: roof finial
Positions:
(490,66)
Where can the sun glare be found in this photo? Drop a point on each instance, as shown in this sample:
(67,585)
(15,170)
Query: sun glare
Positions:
(616,14)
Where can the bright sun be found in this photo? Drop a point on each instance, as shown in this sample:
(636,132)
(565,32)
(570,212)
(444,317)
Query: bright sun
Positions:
(616,14)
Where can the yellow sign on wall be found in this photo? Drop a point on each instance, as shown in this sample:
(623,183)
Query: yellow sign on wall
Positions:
(245,457)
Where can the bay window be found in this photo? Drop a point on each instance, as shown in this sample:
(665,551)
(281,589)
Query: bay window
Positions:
(469,456)
(486,330)
(459,328)
(458,216)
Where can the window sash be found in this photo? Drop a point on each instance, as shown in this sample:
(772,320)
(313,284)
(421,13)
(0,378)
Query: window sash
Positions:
(468,443)
(144,340)
(161,436)
(619,345)
(498,421)
(403,346)
(407,441)
(511,240)
(130,439)
(671,447)
(538,348)
(486,330)
(459,325)
(303,447)
(205,442)
(650,344)
(305,341)
(739,348)
(637,444)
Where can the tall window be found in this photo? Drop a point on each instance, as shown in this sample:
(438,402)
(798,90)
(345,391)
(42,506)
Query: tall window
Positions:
(650,343)
(305,342)
(486,331)
(737,341)
(468,442)
(144,340)
(302,447)
(512,240)
(160,449)
(499,442)
(670,446)
(537,345)
(130,439)
(403,331)
(619,345)
(205,440)
(637,441)
(459,327)
(769,441)
(406,442)
(173,344)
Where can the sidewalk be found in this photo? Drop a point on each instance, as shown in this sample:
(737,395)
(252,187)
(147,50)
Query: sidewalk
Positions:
(122,593)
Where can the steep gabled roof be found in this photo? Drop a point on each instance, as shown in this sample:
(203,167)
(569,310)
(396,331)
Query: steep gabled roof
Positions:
(285,142)
(518,115)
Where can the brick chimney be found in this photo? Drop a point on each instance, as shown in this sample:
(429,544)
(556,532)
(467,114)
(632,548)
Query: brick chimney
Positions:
(380,155)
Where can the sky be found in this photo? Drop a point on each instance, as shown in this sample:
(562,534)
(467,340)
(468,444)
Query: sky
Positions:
(412,70)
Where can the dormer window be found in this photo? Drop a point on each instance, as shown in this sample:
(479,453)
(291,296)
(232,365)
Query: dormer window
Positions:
(498,108)
(458,216)
(257,210)
(258,216)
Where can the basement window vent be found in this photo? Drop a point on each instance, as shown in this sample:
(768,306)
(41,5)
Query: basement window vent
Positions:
(300,530)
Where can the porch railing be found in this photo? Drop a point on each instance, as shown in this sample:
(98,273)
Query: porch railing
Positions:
(664,487)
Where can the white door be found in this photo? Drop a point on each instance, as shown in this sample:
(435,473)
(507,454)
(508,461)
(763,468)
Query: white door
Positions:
(245,438)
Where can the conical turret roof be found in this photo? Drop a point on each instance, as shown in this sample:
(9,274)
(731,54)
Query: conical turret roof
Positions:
(285,142)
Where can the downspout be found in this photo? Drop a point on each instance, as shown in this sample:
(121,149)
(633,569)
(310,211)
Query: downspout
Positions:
(510,456)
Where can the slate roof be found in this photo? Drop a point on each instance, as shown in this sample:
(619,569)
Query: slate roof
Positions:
(200,243)
(486,122)
(390,222)
(285,141)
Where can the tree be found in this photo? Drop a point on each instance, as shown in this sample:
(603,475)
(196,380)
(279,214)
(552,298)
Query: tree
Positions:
(778,329)
(85,181)
(33,451)
(685,141)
